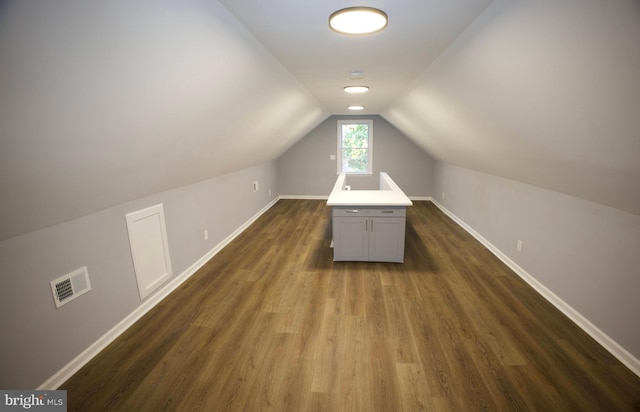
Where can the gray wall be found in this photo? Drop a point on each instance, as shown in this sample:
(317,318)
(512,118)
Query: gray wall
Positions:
(305,169)
(38,339)
(584,252)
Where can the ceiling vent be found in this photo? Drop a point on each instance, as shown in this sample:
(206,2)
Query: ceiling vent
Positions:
(356,74)
(70,286)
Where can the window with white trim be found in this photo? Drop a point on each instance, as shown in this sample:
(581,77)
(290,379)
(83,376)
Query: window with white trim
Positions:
(355,139)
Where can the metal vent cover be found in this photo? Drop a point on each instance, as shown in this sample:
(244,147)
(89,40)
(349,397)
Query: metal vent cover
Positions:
(70,286)
(64,289)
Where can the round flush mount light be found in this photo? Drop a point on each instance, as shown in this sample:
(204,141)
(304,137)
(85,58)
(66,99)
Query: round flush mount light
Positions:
(358,20)
(356,89)
(355,107)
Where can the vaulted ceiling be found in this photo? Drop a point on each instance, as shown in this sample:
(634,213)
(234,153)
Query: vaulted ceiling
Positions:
(298,35)
(105,102)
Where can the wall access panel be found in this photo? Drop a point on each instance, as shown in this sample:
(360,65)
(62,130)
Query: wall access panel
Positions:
(149,248)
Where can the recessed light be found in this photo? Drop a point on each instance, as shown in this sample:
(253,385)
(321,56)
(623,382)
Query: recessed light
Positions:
(358,20)
(356,89)
(355,107)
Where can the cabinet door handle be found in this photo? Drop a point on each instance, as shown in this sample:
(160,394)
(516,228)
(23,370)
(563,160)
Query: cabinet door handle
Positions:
(366,225)
(352,211)
(372,226)
(387,211)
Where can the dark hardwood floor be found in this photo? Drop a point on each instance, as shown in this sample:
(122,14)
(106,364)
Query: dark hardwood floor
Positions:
(272,323)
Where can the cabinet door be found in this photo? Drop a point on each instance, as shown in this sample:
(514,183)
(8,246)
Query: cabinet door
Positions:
(350,238)
(386,239)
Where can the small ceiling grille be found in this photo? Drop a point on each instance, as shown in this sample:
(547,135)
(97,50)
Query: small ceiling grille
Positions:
(70,286)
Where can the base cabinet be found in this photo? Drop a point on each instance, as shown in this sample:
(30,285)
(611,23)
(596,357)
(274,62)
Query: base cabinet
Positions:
(369,234)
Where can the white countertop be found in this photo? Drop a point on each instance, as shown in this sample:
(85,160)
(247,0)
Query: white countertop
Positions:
(389,195)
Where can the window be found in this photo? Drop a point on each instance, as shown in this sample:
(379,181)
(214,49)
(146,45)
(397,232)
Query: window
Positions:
(354,146)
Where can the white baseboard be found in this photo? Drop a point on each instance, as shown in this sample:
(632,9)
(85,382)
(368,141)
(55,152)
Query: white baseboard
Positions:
(89,353)
(602,338)
(305,197)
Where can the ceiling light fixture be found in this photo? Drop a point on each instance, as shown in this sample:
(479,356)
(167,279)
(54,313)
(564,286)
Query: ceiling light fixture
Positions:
(356,89)
(358,20)
(355,107)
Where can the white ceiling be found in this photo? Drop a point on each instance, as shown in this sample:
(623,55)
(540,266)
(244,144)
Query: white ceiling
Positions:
(297,34)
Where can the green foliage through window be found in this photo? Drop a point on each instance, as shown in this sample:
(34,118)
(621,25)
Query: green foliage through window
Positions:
(355,147)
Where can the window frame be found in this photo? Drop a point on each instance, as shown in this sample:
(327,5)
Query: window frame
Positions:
(369,123)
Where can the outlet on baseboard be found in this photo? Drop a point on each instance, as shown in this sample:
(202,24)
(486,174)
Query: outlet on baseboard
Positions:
(255,186)
(519,246)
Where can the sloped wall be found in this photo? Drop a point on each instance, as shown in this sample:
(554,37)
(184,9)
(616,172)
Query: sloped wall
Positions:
(104,102)
(542,92)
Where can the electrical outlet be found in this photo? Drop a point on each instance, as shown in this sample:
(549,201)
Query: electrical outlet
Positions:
(519,246)
(332,157)
(269,192)
(442,195)
(206,234)
(255,186)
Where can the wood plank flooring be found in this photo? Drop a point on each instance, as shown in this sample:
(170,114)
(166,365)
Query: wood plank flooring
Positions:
(271,323)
